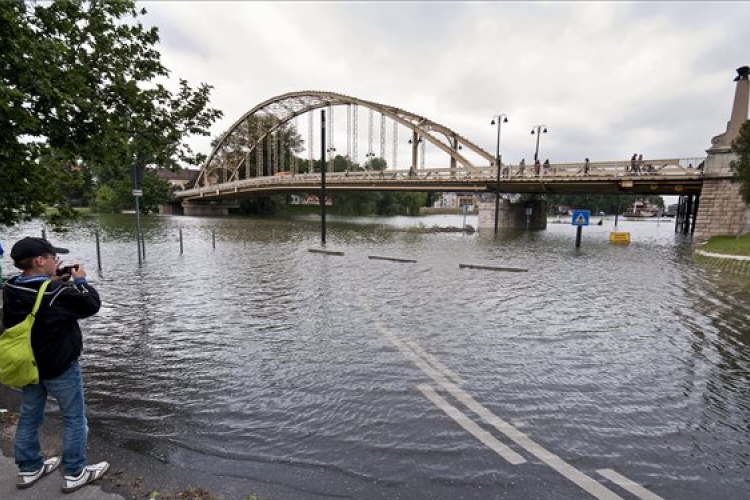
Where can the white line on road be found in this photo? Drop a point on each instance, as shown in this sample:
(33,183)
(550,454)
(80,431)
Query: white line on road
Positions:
(574,475)
(571,473)
(461,419)
(568,471)
(629,485)
(434,362)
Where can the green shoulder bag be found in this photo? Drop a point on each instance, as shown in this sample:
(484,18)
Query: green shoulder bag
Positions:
(17,363)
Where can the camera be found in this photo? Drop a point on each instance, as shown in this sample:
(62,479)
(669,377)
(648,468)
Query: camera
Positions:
(66,270)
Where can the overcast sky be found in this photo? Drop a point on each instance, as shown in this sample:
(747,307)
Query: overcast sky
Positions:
(607,78)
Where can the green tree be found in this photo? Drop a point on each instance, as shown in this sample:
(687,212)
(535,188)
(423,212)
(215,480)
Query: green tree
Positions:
(377,164)
(741,166)
(106,200)
(79,86)
(156,191)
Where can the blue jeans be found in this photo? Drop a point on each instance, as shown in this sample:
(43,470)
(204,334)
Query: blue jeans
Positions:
(67,389)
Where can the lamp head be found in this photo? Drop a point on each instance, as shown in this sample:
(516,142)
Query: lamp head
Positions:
(501,119)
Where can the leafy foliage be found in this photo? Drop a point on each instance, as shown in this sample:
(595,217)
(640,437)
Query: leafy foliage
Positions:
(741,166)
(81,101)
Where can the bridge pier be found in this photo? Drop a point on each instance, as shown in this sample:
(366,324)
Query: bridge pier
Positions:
(174,208)
(687,211)
(531,214)
(722,210)
(207,209)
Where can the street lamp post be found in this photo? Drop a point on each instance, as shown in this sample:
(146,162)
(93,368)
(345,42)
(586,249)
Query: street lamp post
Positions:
(331,150)
(538,130)
(501,118)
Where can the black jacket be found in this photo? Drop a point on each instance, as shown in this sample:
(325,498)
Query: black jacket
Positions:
(56,337)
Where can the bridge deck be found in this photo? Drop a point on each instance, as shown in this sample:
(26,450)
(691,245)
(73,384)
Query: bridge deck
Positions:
(665,177)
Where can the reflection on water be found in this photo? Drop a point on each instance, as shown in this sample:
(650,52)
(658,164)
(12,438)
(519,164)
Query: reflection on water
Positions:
(259,355)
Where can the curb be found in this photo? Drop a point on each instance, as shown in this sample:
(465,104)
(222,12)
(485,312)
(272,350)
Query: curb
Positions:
(722,255)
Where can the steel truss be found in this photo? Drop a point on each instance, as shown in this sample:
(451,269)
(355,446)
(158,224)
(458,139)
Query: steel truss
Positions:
(225,162)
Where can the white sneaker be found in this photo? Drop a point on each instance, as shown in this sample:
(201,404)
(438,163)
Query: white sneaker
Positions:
(89,474)
(28,479)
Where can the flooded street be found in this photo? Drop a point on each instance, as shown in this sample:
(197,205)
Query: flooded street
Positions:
(601,372)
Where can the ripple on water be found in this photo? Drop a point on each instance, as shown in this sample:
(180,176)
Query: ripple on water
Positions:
(259,351)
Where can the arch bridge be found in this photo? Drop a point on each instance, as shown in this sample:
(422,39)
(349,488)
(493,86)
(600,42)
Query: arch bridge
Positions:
(261,154)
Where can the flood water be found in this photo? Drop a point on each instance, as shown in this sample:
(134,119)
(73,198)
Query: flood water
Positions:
(342,376)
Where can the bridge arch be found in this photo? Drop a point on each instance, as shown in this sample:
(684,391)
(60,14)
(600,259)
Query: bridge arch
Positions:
(239,144)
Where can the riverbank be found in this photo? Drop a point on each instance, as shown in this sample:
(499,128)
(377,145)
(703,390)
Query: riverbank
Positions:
(731,264)
(132,475)
(727,254)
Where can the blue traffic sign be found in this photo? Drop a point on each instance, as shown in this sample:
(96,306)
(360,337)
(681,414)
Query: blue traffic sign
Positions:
(581,217)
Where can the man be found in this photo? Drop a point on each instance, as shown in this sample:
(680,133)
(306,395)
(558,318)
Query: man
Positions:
(57,343)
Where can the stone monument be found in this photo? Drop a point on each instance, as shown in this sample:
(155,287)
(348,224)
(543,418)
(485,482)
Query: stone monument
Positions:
(721,210)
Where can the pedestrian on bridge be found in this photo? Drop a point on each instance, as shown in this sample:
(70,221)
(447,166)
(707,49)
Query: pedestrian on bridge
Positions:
(586,167)
(633,163)
(522,167)
(537,167)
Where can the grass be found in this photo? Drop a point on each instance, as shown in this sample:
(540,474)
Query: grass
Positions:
(732,245)
(80,210)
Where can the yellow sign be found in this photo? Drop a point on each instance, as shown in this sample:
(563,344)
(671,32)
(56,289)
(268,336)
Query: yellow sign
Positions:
(619,238)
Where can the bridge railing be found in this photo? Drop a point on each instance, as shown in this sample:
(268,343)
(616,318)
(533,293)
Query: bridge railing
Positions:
(671,166)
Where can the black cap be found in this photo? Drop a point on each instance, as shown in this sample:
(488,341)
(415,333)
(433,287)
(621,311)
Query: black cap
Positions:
(33,247)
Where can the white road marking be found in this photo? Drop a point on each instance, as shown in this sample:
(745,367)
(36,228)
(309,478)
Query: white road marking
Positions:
(574,475)
(568,471)
(629,485)
(461,419)
(434,362)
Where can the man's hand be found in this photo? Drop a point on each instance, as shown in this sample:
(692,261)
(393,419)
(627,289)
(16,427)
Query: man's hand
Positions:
(78,272)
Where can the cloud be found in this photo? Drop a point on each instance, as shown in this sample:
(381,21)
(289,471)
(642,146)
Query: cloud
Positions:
(607,78)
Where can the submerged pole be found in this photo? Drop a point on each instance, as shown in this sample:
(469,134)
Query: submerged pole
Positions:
(98,252)
(137,193)
(617,209)
(323,176)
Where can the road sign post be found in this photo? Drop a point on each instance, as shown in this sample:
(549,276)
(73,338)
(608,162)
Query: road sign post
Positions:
(580,218)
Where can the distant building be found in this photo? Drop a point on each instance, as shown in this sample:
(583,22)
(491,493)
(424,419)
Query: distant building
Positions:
(178,180)
(309,200)
(455,200)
